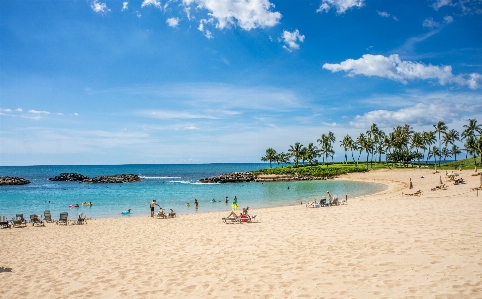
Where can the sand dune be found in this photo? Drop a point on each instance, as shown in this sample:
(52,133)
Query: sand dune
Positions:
(376,246)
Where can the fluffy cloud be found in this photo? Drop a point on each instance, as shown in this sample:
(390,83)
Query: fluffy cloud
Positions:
(39,112)
(291,40)
(341,5)
(467,6)
(430,23)
(124,5)
(393,68)
(155,3)
(173,22)
(99,7)
(418,114)
(440,3)
(383,14)
(247,14)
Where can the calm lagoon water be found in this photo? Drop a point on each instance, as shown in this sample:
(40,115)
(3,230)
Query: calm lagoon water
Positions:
(172,185)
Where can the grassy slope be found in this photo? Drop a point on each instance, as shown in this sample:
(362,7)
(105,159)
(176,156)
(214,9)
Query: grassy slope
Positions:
(334,169)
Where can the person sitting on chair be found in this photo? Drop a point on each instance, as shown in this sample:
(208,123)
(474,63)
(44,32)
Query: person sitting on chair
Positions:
(171,213)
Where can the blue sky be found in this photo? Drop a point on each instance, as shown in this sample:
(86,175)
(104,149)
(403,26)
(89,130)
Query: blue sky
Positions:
(207,81)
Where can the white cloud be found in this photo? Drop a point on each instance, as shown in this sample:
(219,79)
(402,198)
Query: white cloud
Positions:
(208,34)
(247,14)
(76,114)
(467,6)
(155,3)
(6,110)
(168,114)
(172,22)
(191,128)
(125,6)
(39,112)
(19,109)
(448,19)
(383,14)
(418,114)
(99,7)
(291,39)
(430,23)
(440,3)
(392,67)
(138,14)
(341,5)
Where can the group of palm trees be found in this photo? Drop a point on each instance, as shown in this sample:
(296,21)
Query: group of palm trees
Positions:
(402,145)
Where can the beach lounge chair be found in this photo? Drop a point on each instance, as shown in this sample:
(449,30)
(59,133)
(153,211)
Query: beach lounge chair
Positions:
(172,215)
(36,219)
(63,219)
(161,215)
(82,219)
(232,220)
(4,222)
(19,221)
(48,216)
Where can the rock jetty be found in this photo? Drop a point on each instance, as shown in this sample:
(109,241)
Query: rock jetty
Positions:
(233,177)
(13,180)
(108,179)
(238,177)
(69,177)
(113,179)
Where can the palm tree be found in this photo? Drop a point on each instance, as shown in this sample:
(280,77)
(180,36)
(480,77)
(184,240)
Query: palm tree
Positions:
(347,143)
(283,158)
(325,146)
(417,142)
(455,150)
(434,154)
(303,155)
(445,153)
(471,129)
(450,137)
(269,156)
(380,147)
(428,139)
(295,152)
(440,128)
(311,152)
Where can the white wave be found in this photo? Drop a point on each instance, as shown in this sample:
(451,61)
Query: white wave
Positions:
(192,183)
(159,177)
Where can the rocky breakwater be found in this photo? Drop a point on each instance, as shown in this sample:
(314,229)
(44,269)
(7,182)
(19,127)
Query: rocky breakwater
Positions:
(285,177)
(13,180)
(233,177)
(113,179)
(69,177)
(107,179)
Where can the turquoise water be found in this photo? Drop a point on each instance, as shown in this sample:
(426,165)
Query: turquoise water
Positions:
(172,185)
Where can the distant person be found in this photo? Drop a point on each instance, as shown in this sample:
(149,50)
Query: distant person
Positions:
(196,204)
(330,198)
(227,199)
(172,213)
(235,203)
(152,205)
(126,212)
(188,205)
(234,215)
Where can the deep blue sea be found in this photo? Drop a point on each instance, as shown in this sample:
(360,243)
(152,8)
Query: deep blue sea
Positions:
(173,186)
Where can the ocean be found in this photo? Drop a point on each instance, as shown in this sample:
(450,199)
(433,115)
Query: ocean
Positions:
(172,185)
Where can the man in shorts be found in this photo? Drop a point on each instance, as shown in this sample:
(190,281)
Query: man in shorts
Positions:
(152,205)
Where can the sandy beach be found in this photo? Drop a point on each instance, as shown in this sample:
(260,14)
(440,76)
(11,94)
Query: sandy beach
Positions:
(378,246)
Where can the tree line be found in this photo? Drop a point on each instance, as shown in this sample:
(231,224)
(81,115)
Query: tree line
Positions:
(402,145)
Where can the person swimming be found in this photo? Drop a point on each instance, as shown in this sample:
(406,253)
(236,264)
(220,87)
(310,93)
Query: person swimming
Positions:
(128,212)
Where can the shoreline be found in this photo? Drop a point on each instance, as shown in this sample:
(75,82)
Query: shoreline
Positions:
(383,245)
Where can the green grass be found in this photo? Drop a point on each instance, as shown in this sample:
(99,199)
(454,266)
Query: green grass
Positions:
(338,168)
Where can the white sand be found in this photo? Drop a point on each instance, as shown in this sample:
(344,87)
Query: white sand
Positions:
(378,246)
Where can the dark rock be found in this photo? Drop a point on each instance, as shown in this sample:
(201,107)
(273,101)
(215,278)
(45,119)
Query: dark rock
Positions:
(233,177)
(69,177)
(13,180)
(112,179)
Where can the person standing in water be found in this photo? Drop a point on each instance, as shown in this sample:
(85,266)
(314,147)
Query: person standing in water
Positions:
(196,204)
(227,199)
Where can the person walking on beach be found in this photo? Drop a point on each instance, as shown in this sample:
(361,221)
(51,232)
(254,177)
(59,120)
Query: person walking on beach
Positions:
(152,205)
